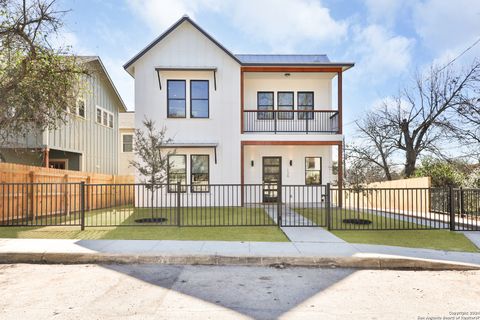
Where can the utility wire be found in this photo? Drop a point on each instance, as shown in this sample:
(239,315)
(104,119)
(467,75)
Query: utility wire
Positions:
(461,54)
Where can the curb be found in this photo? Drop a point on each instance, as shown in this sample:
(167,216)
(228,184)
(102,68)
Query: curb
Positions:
(216,260)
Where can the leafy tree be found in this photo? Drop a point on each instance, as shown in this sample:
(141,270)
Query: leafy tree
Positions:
(151,158)
(442,173)
(37,81)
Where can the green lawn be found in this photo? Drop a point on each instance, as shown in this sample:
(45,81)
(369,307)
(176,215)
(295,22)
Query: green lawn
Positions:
(129,229)
(430,239)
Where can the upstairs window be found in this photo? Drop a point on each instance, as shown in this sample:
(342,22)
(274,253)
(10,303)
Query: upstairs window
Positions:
(177,172)
(199,170)
(105,118)
(285,102)
(176,99)
(265,102)
(99,116)
(199,99)
(127,143)
(81,108)
(305,102)
(313,170)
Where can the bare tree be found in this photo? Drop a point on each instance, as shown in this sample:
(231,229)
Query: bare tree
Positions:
(374,146)
(423,118)
(37,81)
(151,158)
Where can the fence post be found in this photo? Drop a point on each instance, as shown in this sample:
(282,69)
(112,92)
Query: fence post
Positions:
(279,204)
(328,205)
(82,205)
(462,207)
(178,203)
(452,208)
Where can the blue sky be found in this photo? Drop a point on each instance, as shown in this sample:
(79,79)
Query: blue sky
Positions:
(387,39)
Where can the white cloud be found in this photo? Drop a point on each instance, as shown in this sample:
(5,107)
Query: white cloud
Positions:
(445,25)
(69,40)
(281,24)
(380,54)
(159,15)
(384,11)
(285,23)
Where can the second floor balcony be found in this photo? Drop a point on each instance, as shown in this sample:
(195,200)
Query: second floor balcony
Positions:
(292,121)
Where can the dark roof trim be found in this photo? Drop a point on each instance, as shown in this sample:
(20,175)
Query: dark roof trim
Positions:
(166,33)
(345,66)
(186,68)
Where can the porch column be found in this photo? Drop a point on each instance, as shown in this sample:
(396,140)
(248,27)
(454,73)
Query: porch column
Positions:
(46,157)
(340,174)
(242,180)
(340,101)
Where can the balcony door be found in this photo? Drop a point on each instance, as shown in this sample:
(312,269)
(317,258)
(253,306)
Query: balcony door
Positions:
(272,176)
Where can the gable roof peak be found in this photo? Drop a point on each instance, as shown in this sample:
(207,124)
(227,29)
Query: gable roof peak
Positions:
(184,18)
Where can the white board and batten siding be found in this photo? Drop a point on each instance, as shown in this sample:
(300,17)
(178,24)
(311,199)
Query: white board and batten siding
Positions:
(97,143)
(188,47)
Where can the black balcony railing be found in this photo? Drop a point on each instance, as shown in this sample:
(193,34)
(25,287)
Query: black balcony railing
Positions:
(279,121)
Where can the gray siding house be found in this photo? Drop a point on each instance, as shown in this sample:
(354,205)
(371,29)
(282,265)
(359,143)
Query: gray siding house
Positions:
(89,139)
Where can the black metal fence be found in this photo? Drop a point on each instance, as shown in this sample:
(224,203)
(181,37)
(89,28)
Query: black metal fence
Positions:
(111,205)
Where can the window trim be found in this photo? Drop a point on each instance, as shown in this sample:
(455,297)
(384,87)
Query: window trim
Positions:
(191,173)
(309,116)
(290,114)
(273,105)
(321,171)
(184,99)
(104,111)
(77,109)
(183,190)
(208,98)
(126,134)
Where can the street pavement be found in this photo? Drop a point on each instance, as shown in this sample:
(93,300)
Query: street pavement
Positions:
(227,292)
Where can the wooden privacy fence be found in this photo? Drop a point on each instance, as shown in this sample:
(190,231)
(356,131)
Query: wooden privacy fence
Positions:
(407,196)
(28,192)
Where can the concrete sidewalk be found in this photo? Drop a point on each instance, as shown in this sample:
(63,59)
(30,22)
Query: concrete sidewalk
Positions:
(319,254)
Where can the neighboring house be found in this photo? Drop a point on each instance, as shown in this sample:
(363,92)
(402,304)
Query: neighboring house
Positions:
(240,119)
(126,124)
(88,141)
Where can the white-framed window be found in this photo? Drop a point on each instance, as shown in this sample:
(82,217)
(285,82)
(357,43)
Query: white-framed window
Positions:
(104,117)
(127,142)
(80,108)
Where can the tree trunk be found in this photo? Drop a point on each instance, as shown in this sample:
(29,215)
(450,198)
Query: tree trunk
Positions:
(410,162)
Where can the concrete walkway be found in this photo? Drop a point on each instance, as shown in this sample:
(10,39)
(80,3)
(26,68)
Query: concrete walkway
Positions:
(473,236)
(290,250)
(304,230)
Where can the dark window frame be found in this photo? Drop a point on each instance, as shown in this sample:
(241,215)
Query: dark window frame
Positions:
(265,114)
(169,185)
(184,99)
(319,170)
(301,115)
(207,99)
(287,115)
(192,173)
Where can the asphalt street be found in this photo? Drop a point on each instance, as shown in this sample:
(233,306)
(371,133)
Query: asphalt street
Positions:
(216,292)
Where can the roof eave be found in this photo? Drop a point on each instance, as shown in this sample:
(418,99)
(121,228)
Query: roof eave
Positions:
(345,66)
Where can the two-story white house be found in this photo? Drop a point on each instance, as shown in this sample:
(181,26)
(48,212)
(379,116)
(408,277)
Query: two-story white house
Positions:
(240,118)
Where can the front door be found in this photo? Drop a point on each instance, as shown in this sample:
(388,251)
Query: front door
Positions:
(272,176)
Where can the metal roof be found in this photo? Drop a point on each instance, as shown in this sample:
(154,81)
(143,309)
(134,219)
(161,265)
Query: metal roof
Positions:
(283,58)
